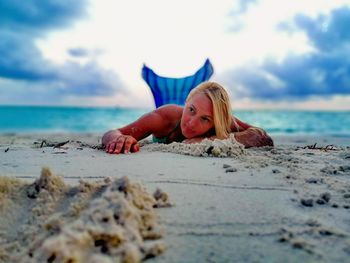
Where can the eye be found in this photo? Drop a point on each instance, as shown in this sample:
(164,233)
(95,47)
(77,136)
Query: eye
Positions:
(190,109)
(205,119)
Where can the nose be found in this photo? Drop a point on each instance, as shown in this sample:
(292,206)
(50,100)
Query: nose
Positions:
(192,123)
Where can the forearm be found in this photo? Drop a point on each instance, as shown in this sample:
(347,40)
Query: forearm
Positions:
(108,136)
(253,137)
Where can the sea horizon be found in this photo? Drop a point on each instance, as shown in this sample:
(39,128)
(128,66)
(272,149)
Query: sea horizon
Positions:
(150,108)
(85,119)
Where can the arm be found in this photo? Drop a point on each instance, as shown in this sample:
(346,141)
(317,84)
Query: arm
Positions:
(248,135)
(125,139)
(244,133)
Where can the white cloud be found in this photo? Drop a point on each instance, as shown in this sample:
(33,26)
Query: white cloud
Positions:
(175,37)
(337,103)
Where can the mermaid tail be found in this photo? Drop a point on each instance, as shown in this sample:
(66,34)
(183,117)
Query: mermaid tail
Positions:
(175,90)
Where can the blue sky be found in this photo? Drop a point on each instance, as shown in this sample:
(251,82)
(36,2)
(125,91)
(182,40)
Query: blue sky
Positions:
(268,53)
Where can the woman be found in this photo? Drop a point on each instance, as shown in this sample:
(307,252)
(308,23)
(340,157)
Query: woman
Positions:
(206,114)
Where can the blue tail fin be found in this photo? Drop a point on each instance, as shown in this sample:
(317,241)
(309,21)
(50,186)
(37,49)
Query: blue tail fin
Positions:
(175,90)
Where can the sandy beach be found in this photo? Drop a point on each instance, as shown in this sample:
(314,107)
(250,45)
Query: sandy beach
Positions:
(289,203)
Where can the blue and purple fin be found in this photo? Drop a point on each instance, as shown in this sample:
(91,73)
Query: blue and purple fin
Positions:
(175,90)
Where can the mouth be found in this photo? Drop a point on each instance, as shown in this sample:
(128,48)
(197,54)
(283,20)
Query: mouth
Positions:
(188,132)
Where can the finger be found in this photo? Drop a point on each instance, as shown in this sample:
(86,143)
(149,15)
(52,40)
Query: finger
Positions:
(127,144)
(119,145)
(111,147)
(135,147)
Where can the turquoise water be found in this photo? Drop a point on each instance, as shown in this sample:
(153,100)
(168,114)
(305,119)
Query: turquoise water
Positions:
(76,119)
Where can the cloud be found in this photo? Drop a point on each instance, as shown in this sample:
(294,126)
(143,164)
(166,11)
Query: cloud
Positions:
(78,52)
(36,15)
(323,72)
(21,62)
(243,6)
(85,80)
(327,32)
(237,14)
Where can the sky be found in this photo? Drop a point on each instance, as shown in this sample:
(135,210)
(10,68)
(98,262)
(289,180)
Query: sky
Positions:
(268,54)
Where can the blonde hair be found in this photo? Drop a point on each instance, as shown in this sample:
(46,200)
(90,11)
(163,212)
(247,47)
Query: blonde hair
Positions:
(221,106)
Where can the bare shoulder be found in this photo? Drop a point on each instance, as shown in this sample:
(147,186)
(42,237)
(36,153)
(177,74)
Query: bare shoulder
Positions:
(171,112)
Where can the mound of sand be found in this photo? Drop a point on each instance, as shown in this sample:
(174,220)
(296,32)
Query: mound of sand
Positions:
(215,148)
(103,221)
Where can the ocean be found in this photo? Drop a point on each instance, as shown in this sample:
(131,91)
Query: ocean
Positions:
(28,119)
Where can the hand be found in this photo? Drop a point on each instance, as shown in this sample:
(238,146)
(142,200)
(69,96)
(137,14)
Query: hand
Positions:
(122,144)
(253,137)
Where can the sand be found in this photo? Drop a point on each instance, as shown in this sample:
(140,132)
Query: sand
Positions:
(288,203)
(207,148)
(101,221)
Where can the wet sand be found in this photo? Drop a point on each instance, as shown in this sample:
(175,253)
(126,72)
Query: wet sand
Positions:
(290,203)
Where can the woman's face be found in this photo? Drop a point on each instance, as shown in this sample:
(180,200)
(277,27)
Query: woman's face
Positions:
(197,116)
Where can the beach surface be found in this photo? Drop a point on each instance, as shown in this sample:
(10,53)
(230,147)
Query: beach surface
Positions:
(288,203)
